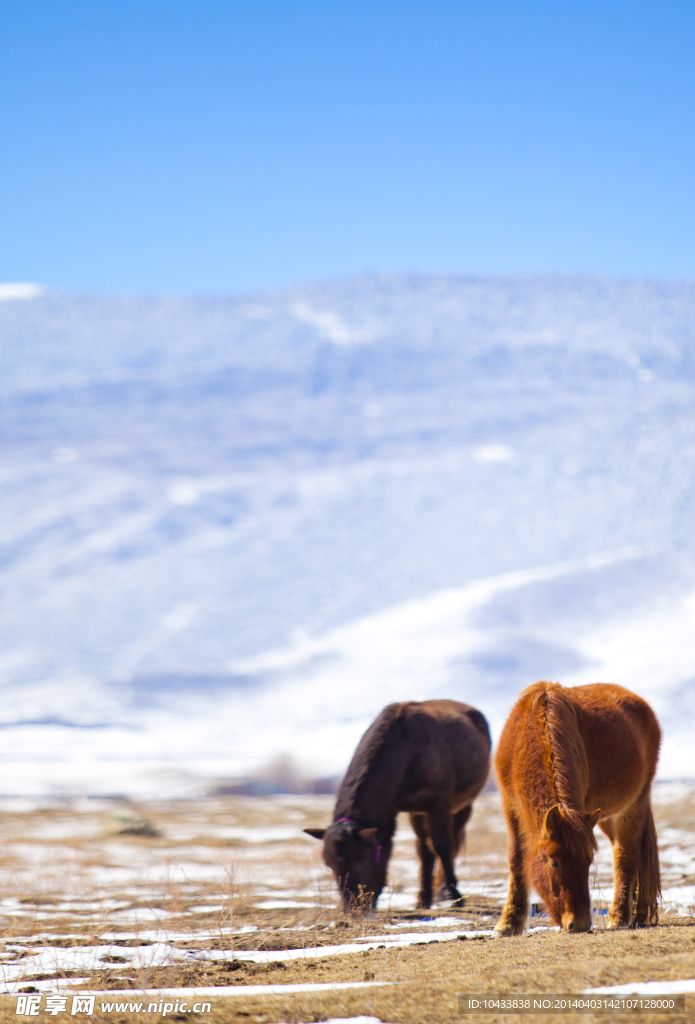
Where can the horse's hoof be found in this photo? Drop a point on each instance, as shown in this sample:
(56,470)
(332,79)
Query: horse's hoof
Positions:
(508,931)
(450,893)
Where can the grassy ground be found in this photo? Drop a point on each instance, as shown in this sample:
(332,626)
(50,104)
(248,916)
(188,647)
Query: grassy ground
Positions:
(148,896)
(426,979)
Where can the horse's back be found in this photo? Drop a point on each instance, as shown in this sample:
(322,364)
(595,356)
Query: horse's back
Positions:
(452,713)
(448,721)
(449,745)
(614,747)
(621,736)
(609,702)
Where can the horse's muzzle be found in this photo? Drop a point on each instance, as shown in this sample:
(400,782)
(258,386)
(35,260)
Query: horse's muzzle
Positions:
(576,922)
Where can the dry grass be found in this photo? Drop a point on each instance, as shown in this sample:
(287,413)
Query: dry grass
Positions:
(426,979)
(79,877)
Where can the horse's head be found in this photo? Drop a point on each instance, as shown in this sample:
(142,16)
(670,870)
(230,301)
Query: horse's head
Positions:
(560,867)
(357,859)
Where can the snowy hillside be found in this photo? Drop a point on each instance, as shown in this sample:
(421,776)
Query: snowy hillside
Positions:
(235,528)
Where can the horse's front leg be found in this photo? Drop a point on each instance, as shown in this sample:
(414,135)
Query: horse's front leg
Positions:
(625,834)
(444,847)
(424,851)
(515,912)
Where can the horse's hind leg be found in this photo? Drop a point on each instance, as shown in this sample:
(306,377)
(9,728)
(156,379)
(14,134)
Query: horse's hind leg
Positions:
(424,851)
(443,842)
(458,825)
(648,875)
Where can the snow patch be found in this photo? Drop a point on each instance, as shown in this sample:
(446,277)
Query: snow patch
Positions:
(485,454)
(20,290)
(644,988)
(329,325)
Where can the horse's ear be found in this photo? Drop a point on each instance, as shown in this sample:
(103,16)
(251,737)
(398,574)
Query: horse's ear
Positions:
(367,833)
(595,818)
(553,820)
(317,833)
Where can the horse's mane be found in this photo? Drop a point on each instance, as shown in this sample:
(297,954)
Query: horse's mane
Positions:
(363,758)
(564,759)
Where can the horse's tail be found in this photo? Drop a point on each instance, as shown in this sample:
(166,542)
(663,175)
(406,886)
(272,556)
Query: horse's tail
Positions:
(649,875)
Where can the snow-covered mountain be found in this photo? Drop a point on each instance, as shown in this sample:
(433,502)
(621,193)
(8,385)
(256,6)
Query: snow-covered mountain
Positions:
(233,528)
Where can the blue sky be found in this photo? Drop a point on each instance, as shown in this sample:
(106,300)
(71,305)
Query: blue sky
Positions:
(219,146)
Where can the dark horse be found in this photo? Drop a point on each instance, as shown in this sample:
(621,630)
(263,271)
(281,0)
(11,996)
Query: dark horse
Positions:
(430,759)
(568,759)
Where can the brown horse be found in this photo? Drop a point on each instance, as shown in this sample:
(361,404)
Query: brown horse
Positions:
(430,759)
(570,758)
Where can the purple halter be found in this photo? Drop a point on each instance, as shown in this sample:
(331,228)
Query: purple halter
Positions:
(378,847)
